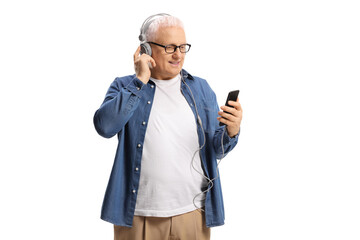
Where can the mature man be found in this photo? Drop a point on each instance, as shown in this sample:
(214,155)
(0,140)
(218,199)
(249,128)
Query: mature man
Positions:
(164,182)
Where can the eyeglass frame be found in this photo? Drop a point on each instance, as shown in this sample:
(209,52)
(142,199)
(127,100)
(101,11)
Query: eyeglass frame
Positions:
(173,45)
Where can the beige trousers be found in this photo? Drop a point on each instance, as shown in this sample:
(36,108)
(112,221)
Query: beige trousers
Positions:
(188,226)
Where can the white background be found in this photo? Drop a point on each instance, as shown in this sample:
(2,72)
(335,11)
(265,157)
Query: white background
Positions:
(293,175)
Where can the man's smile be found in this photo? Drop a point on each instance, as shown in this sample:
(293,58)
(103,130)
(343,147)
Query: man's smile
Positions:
(174,63)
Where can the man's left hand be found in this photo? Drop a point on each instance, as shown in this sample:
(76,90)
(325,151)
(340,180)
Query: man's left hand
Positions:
(232,118)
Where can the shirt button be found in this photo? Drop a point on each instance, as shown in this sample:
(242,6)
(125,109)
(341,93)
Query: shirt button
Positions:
(152,86)
(138,88)
(148,102)
(139,145)
(143,123)
(134,191)
(137,169)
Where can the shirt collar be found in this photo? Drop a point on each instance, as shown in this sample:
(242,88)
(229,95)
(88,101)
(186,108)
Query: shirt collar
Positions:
(187,75)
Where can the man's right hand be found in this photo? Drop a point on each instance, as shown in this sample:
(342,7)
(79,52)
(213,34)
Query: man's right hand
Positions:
(141,64)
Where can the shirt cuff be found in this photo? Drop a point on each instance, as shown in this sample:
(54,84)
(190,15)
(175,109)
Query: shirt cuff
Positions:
(228,139)
(135,86)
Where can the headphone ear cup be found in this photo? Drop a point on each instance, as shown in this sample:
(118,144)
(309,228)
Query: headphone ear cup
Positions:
(145,48)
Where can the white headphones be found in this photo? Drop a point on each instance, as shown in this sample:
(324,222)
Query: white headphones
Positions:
(144,46)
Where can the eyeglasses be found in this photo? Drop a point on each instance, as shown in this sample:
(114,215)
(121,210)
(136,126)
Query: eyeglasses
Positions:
(171,48)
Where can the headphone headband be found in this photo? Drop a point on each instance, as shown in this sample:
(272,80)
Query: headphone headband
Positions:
(147,23)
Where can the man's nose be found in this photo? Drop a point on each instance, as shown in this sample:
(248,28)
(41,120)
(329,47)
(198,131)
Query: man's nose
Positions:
(177,53)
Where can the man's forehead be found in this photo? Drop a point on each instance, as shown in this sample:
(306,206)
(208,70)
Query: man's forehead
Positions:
(172,34)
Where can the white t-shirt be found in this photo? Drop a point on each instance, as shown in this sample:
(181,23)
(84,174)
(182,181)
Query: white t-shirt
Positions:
(168,182)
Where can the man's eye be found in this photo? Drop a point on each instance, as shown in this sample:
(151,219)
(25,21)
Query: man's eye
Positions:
(170,47)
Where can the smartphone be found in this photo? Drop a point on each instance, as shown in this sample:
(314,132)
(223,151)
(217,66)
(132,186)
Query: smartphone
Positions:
(232,96)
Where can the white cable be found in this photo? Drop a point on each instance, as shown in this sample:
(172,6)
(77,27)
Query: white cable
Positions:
(210,181)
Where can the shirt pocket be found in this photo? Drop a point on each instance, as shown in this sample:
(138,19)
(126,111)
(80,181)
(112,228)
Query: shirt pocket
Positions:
(208,113)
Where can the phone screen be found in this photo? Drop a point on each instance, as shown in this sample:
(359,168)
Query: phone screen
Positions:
(232,96)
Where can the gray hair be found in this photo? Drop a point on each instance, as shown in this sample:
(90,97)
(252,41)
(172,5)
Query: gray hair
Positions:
(164,21)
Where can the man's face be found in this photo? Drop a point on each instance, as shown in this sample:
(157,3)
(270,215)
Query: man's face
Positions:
(168,65)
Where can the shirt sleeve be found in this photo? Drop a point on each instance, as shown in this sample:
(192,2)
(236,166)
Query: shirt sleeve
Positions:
(118,107)
(223,143)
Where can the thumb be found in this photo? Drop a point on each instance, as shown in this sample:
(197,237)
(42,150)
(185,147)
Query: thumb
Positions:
(152,61)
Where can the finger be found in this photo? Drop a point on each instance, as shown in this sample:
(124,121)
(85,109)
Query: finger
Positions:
(231,110)
(240,108)
(136,54)
(147,59)
(153,63)
(220,119)
(228,116)
(236,104)
(223,120)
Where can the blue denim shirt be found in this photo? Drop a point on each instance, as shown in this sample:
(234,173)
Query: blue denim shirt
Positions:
(125,112)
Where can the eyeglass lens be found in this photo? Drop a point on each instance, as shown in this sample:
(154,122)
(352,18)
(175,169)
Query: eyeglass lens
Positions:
(172,48)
